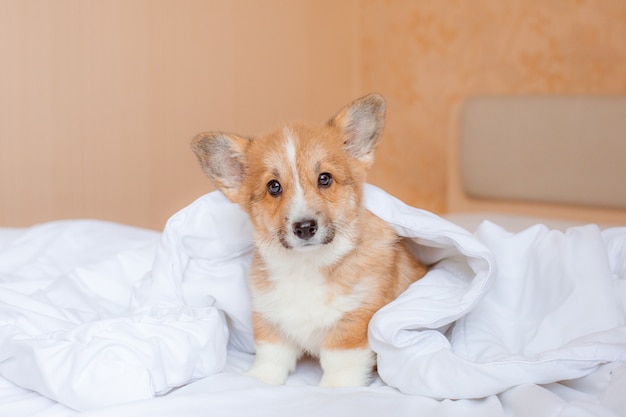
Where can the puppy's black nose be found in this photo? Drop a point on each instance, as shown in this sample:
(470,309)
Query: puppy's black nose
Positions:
(305,229)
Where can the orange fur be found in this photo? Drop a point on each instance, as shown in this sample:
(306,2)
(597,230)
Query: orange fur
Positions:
(353,263)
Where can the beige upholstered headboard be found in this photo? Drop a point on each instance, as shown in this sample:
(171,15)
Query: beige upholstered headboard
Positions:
(559,157)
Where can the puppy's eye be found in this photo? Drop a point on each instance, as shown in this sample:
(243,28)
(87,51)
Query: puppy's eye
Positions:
(324,180)
(274,188)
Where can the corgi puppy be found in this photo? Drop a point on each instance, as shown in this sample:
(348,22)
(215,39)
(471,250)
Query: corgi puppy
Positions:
(323,264)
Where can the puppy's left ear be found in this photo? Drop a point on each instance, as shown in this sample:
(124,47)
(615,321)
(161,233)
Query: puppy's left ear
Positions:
(362,123)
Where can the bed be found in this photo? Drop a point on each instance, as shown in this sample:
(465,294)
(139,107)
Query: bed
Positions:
(522,314)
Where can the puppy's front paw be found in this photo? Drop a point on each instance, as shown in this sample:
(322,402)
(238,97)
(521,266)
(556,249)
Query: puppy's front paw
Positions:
(346,368)
(273,363)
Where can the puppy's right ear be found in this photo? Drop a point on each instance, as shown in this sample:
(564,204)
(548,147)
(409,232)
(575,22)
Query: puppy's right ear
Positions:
(222,158)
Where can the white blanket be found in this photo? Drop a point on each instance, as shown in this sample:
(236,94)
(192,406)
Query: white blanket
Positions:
(554,311)
(86,319)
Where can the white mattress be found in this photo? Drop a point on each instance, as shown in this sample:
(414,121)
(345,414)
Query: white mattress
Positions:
(512,223)
(67,285)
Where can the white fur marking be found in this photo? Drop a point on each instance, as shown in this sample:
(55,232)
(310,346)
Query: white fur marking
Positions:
(346,368)
(290,148)
(273,362)
(298,209)
(301,303)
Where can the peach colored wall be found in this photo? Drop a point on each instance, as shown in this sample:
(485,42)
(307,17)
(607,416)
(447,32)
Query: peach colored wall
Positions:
(99,99)
(427,56)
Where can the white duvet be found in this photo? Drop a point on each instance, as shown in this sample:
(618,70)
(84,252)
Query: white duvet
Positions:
(90,317)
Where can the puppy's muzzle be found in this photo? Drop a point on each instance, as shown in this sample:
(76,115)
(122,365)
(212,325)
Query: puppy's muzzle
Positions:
(305,229)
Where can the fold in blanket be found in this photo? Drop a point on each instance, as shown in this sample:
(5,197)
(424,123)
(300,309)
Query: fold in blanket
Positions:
(103,331)
(554,311)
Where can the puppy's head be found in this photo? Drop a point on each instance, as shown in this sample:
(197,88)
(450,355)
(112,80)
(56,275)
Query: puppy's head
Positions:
(300,185)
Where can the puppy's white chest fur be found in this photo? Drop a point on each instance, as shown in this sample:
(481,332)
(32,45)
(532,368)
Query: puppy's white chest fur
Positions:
(302,303)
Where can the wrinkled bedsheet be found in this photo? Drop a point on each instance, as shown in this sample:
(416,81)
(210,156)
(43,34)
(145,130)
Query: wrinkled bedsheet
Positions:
(95,314)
